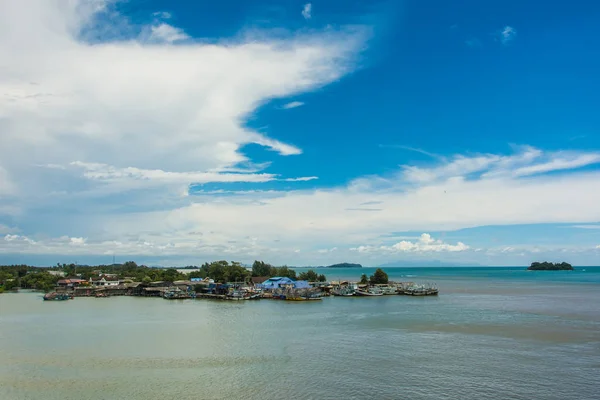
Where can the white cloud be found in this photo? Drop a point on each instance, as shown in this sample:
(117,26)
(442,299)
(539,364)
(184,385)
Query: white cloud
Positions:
(135,111)
(307,11)
(562,162)
(302,179)
(507,34)
(292,104)
(77,241)
(166,33)
(18,239)
(454,193)
(425,244)
(324,251)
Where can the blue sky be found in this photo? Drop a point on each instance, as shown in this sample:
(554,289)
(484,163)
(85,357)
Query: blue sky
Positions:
(300,133)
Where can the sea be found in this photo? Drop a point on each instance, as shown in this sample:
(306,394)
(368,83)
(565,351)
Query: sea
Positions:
(492,333)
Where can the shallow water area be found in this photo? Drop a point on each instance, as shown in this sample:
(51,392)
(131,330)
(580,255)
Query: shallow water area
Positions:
(496,336)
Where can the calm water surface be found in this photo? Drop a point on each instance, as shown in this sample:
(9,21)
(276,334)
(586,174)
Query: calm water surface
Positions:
(492,334)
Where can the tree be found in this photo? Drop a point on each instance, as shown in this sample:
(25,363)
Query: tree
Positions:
(309,275)
(379,277)
(284,271)
(322,278)
(261,268)
(363,279)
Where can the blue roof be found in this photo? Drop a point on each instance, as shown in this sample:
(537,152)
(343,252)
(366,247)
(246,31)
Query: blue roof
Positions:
(277,281)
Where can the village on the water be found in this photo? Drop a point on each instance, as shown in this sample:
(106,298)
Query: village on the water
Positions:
(219,280)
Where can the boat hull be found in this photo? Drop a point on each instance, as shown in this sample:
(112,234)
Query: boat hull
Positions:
(366,294)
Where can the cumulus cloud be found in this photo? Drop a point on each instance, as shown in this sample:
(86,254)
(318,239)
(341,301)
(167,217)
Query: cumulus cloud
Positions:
(144,105)
(164,32)
(425,244)
(307,11)
(507,34)
(77,241)
(17,239)
(292,104)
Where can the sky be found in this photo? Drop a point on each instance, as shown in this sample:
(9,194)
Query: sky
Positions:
(299,133)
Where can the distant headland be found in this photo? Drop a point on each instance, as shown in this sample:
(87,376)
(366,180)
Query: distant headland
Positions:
(345,265)
(548,266)
(340,265)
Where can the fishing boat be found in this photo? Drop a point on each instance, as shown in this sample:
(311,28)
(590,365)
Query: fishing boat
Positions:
(421,290)
(388,290)
(101,295)
(372,291)
(57,296)
(345,291)
(301,298)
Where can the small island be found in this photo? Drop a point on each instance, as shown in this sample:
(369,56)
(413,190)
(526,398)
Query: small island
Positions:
(548,266)
(344,265)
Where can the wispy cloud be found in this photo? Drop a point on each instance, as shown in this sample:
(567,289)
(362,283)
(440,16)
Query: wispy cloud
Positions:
(292,104)
(162,14)
(507,35)
(301,179)
(409,148)
(307,11)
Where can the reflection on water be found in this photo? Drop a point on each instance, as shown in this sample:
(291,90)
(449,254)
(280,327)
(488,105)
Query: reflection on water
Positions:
(509,342)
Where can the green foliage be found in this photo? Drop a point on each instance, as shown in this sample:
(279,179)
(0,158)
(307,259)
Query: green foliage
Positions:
(363,279)
(261,268)
(42,280)
(548,266)
(309,275)
(222,271)
(283,271)
(379,277)
(312,276)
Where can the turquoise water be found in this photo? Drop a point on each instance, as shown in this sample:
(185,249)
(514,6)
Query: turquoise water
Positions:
(491,334)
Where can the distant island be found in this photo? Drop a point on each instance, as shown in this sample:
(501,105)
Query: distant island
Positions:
(340,265)
(548,266)
(345,265)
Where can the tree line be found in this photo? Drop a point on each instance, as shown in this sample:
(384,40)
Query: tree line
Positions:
(29,277)
(548,266)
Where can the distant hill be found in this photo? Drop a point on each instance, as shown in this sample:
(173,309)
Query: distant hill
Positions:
(345,265)
(340,265)
(548,266)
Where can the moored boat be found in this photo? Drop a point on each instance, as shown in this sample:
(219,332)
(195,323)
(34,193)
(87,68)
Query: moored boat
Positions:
(420,290)
(57,296)
(344,291)
(300,298)
(372,291)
